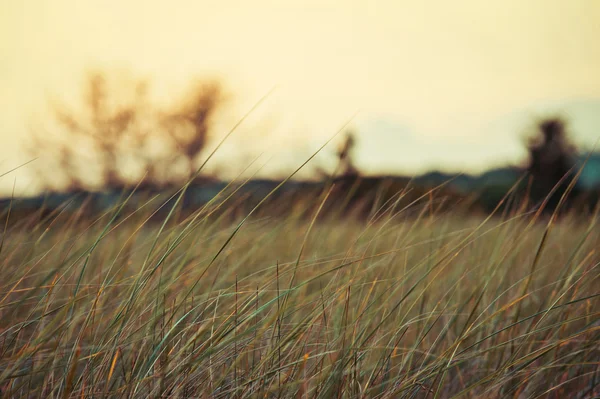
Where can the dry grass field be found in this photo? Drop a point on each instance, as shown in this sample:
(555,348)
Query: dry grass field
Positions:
(409,303)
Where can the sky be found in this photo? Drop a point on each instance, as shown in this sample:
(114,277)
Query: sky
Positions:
(429,84)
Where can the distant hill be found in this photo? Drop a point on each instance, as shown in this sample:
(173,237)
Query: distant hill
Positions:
(507,176)
(362,193)
(590,176)
(468,183)
(360,196)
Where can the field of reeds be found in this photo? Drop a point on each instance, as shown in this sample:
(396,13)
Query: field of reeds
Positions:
(407,303)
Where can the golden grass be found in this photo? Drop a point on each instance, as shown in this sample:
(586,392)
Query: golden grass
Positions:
(422,306)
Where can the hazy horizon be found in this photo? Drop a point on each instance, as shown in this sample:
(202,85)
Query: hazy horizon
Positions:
(449,86)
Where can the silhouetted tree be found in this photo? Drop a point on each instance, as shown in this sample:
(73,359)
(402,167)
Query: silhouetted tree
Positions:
(551,157)
(188,122)
(345,156)
(345,167)
(115,125)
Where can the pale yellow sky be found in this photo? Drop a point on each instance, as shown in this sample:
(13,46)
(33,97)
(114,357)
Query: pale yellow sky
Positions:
(436,81)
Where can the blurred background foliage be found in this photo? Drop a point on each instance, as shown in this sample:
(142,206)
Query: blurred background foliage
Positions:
(128,141)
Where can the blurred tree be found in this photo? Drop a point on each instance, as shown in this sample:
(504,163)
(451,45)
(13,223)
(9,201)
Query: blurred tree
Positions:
(345,167)
(345,155)
(117,125)
(188,122)
(551,157)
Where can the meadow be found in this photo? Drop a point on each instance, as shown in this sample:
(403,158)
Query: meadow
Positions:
(406,303)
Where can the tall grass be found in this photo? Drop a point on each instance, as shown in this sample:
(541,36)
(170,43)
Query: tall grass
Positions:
(407,304)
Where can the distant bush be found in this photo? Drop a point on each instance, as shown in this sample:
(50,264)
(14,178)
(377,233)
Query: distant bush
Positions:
(552,159)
